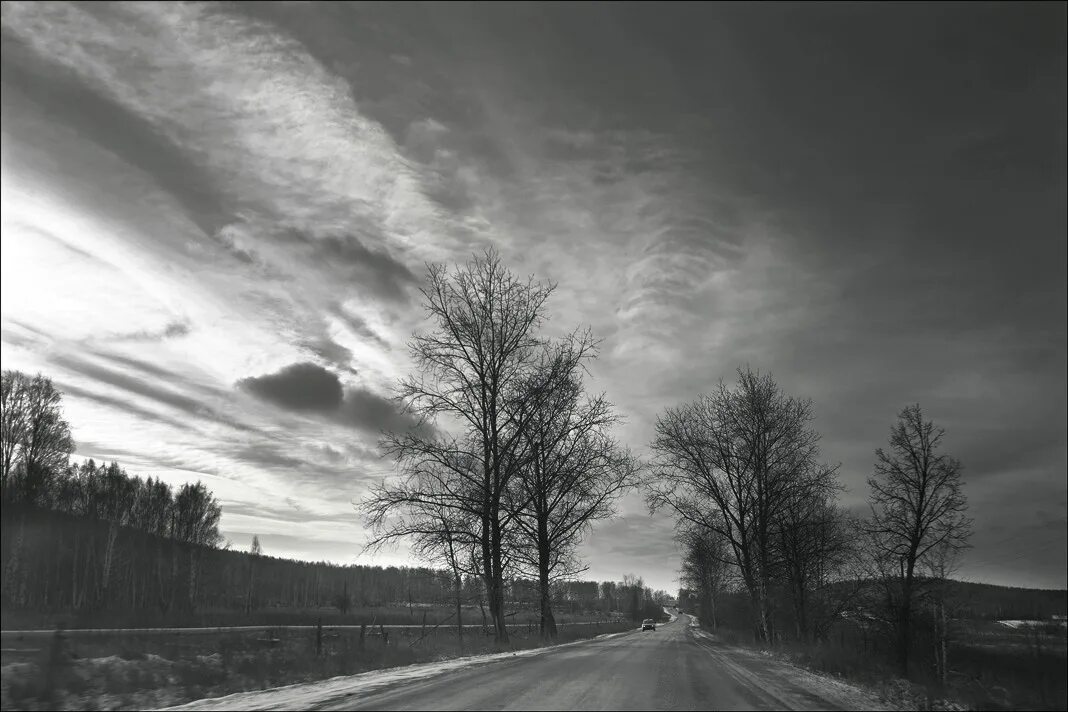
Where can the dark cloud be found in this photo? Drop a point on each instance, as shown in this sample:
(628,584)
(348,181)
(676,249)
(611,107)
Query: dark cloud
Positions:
(372,271)
(300,387)
(375,271)
(329,350)
(307,387)
(373,413)
(269,456)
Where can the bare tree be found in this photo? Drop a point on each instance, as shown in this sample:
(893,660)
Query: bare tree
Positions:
(705,568)
(255,551)
(472,367)
(448,537)
(731,462)
(632,594)
(438,509)
(817,550)
(939,565)
(918,510)
(573,475)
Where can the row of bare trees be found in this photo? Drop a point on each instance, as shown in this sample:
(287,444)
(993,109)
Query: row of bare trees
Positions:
(743,465)
(757,511)
(514,460)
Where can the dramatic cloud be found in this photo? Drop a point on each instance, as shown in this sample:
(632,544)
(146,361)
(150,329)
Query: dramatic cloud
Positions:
(374,414)
(200,195)
(301,386)
(306,387)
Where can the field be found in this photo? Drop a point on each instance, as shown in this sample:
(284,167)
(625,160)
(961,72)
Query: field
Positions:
(396,614)
(992,665)
(102,669)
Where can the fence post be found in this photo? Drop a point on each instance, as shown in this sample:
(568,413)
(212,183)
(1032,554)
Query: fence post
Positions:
(363,632)
(385,635)
(57,660)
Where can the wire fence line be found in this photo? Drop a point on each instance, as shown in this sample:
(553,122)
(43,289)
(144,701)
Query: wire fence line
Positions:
(104,632)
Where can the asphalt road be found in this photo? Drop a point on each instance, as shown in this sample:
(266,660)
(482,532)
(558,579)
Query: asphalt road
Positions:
(672,668)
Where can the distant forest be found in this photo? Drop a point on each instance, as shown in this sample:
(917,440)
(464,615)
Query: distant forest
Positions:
(97,571)
(93,545)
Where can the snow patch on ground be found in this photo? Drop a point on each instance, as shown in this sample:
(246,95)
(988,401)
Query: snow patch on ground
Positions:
(1031,624)
(310,694)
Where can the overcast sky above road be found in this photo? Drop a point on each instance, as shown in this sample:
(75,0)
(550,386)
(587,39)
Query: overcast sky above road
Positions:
(216,218)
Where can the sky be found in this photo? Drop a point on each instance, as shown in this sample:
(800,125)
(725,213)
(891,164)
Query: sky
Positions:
(216,218)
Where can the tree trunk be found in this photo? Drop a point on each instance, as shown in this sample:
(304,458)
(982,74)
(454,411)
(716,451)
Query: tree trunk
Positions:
(800,612)
(904,639)
(943,635)
(548,622)
(488,577)
(458,584)
(497,594)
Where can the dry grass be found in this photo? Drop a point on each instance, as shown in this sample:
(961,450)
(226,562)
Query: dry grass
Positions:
(992,667)
(144,671)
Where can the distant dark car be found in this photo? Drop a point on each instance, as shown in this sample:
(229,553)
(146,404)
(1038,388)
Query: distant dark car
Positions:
(648,624)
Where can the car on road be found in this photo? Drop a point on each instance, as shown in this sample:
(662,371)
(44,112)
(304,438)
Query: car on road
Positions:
(648,624)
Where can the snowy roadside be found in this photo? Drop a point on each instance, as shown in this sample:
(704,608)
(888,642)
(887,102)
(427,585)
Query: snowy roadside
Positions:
(311,694)
(752,666)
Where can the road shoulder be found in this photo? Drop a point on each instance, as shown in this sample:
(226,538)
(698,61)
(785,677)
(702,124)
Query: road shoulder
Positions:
(785,684)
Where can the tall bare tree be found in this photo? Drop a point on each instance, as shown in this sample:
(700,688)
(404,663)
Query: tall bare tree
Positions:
(917,511)
(473,367)
(573,475)
(705,568)
(732,462)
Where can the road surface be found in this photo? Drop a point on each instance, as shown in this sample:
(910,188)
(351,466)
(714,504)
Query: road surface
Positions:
(676,667)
